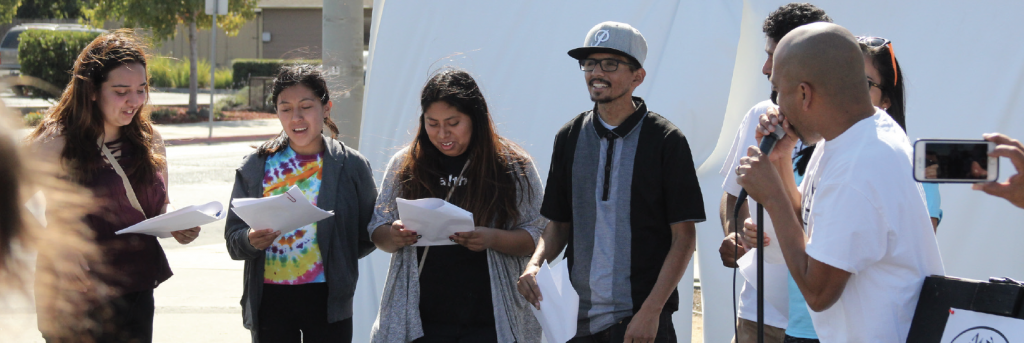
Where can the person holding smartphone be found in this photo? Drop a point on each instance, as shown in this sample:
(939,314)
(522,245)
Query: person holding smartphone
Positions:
(299,285)
(99,137)
(1013,188)
(464,292)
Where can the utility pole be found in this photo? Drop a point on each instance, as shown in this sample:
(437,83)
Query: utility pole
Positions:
(342,56)
(214,8)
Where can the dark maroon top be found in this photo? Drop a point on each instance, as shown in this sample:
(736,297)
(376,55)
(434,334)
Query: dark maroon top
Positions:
(136,261)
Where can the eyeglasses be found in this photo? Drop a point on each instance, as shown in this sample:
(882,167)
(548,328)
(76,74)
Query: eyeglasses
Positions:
(873,84)
(877,42)
(607,65)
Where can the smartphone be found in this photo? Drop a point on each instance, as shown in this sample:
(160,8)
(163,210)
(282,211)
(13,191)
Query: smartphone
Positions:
(954,160)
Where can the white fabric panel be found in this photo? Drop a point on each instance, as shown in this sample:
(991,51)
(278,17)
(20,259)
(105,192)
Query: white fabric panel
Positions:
(965,77)
(517,52)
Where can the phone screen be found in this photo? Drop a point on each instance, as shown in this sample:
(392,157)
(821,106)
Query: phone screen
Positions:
(956,161)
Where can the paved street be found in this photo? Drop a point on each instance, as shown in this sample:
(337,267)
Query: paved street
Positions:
(200,302)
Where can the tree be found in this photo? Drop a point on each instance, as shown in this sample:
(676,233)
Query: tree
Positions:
(55,9)
(7,10)
(161,18)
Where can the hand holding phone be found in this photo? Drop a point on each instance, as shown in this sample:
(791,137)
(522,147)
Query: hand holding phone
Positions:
(1013,188)
(955,161)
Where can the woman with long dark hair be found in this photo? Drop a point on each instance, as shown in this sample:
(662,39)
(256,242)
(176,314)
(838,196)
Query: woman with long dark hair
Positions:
(101,138)
(886,83)
(299,285)
(464,292)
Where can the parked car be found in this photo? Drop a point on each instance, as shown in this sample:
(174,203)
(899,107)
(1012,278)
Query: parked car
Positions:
(9,44)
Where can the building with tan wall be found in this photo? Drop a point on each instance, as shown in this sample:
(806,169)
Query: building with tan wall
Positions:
(281,29)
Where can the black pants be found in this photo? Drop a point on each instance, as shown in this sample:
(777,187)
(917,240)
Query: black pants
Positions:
(791,339)
(433,333)
(299,314)
(125,319)
(617,333)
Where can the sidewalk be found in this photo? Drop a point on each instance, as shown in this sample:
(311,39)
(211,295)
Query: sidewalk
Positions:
(199,304)
(155,99)
(223,131)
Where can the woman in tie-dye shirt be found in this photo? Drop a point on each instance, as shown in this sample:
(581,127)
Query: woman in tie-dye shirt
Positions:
(299,284)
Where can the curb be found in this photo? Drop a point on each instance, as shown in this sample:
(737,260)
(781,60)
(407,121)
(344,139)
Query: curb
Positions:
(199,140)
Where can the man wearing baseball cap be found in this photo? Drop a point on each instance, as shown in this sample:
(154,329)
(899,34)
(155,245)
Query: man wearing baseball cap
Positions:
(622,196)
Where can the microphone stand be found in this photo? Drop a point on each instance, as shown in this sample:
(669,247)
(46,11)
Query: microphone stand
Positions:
(760,273)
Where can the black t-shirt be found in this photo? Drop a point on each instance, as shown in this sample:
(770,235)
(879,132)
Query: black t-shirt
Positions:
(455,286)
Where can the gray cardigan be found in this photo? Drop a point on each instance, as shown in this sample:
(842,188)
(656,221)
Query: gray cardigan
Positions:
(399,318)
(347,188)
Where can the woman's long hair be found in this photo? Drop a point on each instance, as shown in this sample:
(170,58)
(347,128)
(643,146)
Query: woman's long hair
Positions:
(79,119)
(881,58)
(491,189)
(289,76)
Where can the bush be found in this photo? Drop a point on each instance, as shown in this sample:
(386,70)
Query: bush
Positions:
(222,78)
(166,72)
(33,119)
(243,68)
(50,55)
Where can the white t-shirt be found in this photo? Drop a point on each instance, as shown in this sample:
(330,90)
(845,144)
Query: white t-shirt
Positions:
(745,137)
(866,215)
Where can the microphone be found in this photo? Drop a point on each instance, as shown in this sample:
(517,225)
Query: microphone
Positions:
(767,145)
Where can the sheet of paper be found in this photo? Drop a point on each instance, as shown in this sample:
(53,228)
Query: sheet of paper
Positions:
(776,282)
(560,305)
(434,219)
(965,326)
(284,212)
(181,219)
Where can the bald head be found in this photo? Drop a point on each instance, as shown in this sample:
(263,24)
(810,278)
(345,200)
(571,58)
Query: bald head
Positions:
(826,56)
(822,67)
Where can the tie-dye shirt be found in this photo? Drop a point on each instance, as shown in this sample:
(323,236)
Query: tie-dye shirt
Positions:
(294,258)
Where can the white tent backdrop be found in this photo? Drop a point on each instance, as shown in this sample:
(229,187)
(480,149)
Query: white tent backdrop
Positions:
(964,72)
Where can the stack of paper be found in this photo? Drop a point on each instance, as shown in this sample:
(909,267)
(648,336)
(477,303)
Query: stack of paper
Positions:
(776,283)
(285,212)
(434,219)
(561,304)
(185,218)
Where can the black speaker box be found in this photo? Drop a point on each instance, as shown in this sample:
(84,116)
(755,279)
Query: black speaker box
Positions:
(940,293)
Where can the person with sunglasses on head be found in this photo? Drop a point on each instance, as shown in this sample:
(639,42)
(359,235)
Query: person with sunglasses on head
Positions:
(299,285)
(855,235)
(622,196)
(885,81)
(779,322)
(464,292)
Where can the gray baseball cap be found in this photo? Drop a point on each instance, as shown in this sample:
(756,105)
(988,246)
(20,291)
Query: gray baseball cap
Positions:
(616,38)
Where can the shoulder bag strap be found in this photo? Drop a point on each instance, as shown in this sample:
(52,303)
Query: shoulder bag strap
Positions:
(124,178)
(451,190)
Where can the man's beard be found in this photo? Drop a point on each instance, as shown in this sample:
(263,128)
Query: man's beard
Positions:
(611,99)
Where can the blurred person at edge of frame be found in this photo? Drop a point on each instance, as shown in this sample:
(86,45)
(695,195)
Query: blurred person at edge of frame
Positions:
(58,241)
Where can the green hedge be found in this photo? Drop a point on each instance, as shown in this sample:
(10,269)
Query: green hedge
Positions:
(166,72)
(243,68)
(50,55)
